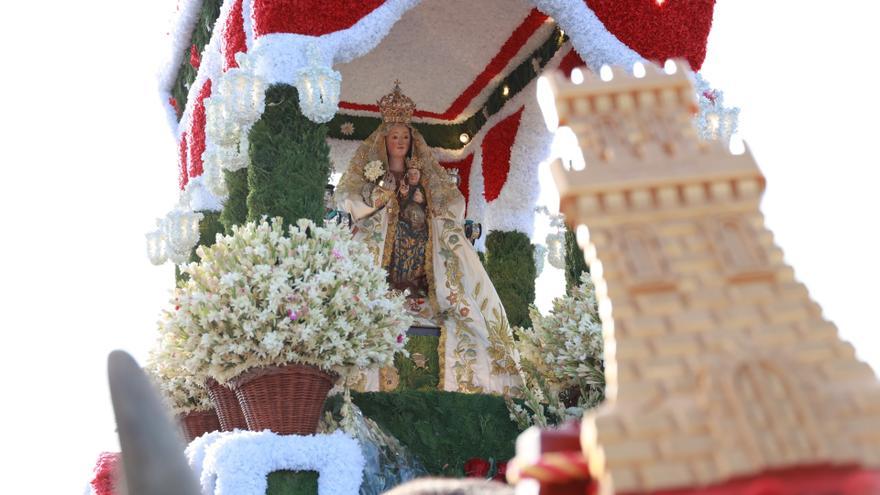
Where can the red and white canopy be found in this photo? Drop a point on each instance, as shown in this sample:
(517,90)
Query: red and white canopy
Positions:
(449,55)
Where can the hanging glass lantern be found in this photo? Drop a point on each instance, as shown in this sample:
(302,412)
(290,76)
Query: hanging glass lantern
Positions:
(257,92)
(318,87)
(236,157)
(556,250)
(243,92)
(178,257)
(157,247)
(220,126)
(212,178)
(181,228)
(540,252)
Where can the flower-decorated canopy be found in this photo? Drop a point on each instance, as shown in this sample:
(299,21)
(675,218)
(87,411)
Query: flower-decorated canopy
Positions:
(469,66)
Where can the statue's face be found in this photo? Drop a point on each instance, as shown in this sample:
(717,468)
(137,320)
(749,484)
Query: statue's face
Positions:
(413,175)
(397,141)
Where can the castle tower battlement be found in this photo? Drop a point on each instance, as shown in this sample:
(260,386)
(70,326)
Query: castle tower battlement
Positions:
(718,363)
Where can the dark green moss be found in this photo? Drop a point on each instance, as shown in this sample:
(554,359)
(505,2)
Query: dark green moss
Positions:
(209,227)
(444,429)
(235,208)
(575,264)
(510,263)
(292,483)
(290,161)
(201,35)
(413,376)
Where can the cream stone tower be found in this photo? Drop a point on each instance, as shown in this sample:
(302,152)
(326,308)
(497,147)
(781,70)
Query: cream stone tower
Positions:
(718,363)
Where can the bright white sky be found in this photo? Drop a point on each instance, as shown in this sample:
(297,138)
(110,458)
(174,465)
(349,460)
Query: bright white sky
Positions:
(89,163)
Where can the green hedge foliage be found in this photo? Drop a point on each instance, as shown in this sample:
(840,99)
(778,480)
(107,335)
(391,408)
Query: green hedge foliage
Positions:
(510,263)
(290,161)
(235,207)
(444,429)
(575,264)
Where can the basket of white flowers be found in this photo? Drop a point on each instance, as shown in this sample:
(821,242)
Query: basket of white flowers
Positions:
(278,314)
(188,399)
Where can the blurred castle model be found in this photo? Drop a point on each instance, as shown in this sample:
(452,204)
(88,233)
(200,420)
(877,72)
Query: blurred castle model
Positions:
(719,365)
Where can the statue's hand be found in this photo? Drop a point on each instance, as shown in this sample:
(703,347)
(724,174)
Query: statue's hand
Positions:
(380,196)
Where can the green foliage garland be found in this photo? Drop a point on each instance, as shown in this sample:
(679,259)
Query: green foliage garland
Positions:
(290,161)
(235,207)
(574,261)
(201,35)
(510,263)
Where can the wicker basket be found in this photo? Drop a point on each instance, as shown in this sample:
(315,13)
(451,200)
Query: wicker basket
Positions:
(285,399)
(226,405)
(197,423)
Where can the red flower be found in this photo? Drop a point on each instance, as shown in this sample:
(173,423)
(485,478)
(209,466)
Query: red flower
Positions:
(464,311)
(194,58)
(400,338)
(501,472)
(496,148)
(476,467)
(104,481)
(173,102)
(710,95)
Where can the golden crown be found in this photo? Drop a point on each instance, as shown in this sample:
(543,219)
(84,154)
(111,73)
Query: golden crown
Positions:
(414,162)
(396,107)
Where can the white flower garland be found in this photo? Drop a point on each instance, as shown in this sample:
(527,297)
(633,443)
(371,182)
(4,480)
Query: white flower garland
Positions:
(198,449)
(211,67)
(181,35)
(238,463)
(513,210)
(592,40)
(282,54)
(199,197)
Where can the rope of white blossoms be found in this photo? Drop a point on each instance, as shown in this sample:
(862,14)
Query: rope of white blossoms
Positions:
(239,462)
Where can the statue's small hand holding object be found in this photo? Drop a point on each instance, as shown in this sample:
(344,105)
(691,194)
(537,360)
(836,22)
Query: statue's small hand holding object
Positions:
(380,196)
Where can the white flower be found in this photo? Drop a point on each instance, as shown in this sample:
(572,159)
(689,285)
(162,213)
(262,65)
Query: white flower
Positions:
(272,342)
(566,345)
(347,128)
(374,170)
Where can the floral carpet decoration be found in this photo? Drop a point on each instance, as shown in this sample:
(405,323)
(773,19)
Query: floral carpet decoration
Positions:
(238,463)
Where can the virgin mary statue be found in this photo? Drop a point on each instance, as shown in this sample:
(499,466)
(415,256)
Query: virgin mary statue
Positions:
(410,213)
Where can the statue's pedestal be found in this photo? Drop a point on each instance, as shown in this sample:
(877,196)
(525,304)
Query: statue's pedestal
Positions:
(421,369)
